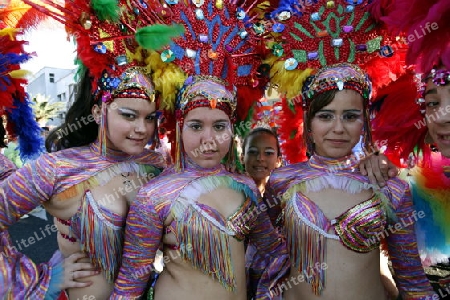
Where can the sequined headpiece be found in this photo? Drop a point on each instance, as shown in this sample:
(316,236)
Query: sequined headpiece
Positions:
(311,35)
(212,92)
(338,77)
(112,39)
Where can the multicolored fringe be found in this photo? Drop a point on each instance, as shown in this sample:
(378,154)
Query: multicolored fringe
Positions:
(431,194)
(201,236)
(105,176)
(101,239)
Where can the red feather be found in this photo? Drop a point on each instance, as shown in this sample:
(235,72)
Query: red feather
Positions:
(291,133)
(399,122)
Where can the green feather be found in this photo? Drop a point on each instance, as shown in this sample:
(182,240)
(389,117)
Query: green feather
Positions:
(156,36)
(106,9)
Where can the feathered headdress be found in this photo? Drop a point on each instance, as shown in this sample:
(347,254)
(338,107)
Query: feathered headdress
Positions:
(113,39)
(425,26)
(221,39)
(15,104)
(309,35)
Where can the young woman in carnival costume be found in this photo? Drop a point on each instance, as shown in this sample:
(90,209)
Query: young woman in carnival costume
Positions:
(337,257)
(199,212)
(413,117)
(89,185)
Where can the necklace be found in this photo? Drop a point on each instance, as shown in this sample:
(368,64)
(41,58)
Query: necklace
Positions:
(126,181)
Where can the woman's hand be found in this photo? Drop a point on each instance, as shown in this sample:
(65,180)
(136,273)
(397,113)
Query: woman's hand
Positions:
(378,168)
(74,270)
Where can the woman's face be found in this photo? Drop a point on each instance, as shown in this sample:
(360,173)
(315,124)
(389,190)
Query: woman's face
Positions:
(337,127)
(437,115)
(131,124)
(261,156)
(207,136)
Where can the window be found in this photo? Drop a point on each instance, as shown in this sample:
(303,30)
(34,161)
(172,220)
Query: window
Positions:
(51,77)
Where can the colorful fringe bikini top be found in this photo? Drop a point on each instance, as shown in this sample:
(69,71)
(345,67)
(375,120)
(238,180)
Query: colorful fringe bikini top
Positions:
(307,227)
(203,228)
(99,230)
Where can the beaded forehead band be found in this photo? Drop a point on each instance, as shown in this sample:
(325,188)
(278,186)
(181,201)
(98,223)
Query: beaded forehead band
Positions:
(210,91)
(338,77)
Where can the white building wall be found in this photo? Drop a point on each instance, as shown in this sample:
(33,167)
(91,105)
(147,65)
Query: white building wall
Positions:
(55,84)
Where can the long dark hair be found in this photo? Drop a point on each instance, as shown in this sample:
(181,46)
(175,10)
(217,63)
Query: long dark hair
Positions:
(2,134)
(262,130)
(78,128)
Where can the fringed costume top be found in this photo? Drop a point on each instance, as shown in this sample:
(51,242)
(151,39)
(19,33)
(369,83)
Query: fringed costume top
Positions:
(63,175)
(202,233)
(6,167)
(360,228)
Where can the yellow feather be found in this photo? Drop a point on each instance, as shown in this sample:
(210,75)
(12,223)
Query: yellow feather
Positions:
(168,79)
(288,83)
(19,73)
(11,32)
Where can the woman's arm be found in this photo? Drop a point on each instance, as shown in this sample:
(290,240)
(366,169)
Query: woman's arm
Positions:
(408,271)
(25,189)
(144,230)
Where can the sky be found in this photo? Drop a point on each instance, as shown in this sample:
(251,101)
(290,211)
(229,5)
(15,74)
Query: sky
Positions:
(49,41)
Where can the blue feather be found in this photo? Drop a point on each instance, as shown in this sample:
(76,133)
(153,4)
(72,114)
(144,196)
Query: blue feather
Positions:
(31,143)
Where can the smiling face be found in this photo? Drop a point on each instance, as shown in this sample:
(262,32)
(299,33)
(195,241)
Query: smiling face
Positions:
(437,114)
(261,156)
(131,124)
(336,128)
(206,136)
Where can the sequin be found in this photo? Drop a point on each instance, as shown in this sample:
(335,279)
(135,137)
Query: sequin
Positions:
(167,56)
(121,60)
(199,15)
(277,50)
(136,11)
(361,48)
(191,53)
(243,34)
(386,51)
(290,64)
(198,3)
(213,55)
(258,28)
(219,4)
(349,8)
(337,42)
(172,2)
(313,55)
(322,33)
(284,15)
(203,38)
(278,27)
(315,16)
(240,14)
(354,2)
(347,28)
(330,4)
(100,48)
(229,48)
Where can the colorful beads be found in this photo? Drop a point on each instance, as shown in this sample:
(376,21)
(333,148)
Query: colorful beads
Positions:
(277,50)
(386,51)
(330,4)
(229,48)
(259,28)
(349,8)
(284,15)
(315,16)
(198,3)
(203,38)
(199,15)
(347,28)
(191,53)
(313,55)
(361,47)
(322,33)
(242,33)
(337,42)
(213,55)
(219,4)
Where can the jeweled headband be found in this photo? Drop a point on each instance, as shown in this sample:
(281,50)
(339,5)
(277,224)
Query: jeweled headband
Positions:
(133,83)
(340,77)
(213,93)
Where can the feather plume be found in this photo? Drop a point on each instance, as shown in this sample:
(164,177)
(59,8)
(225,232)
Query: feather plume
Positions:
(106,10)
(154,37)
(398,122)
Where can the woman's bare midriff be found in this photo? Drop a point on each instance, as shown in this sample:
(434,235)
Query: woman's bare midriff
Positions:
(65,209)
(350,275)
(180,280)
